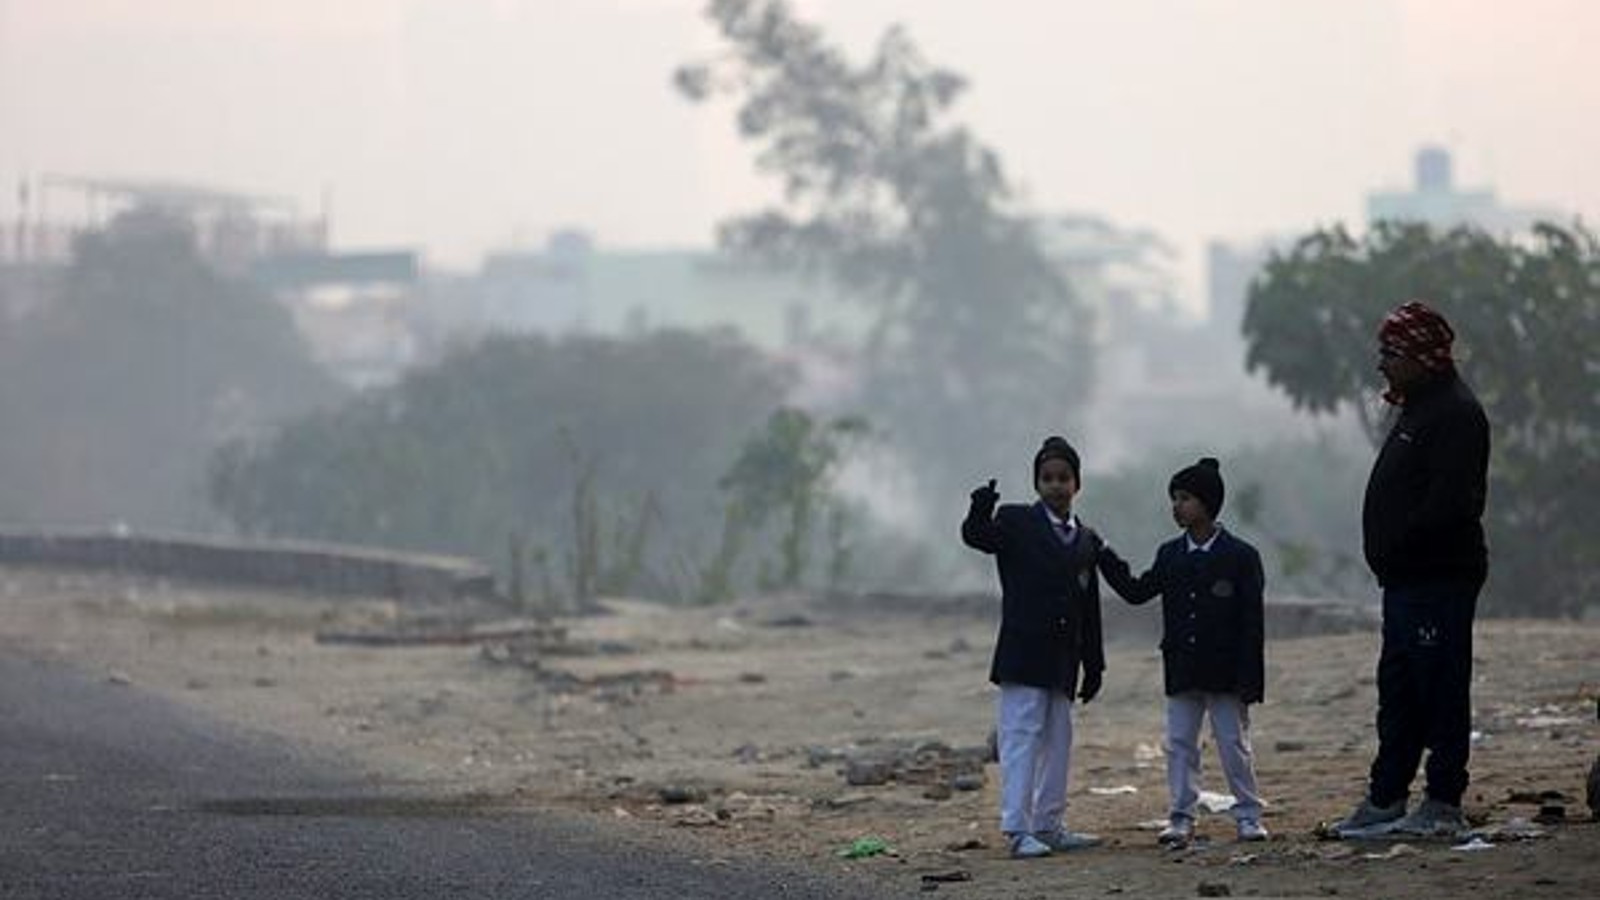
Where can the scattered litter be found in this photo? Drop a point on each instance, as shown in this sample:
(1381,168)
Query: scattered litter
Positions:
(1394,852)
(968,781)
(845,801)
(971,843)
(681,793)
(863,847)
(1289,746)
(1514,829)
(1213,802)
(1151,825)
(1551,814)
(1535,797)
(1113,791)
(1476,843)
(727,624)
(1478,737)
(946,877)
(1243,859)
(696,817)
(1145,753)
(1547,721)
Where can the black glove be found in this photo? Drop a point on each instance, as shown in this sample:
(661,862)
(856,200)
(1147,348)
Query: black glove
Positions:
(985,497)
(1090,688)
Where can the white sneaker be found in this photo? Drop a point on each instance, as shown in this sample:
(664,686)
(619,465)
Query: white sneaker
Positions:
(1026,846)
(1178,833)
(1252,830)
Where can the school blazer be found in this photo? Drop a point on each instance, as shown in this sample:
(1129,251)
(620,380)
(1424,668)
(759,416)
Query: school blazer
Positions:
(1049,597)
(1212,613)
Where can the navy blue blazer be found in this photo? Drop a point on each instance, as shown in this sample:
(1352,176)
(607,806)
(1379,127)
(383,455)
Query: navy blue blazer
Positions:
(1050,596)
(1212,611)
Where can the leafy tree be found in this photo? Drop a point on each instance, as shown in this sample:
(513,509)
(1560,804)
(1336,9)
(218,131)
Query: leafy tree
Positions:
(584,446)
(784,470)
(142,358)
(1526,313)
(883,196)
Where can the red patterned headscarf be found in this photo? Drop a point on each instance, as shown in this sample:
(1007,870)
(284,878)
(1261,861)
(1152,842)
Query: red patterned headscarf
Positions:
(1414,330)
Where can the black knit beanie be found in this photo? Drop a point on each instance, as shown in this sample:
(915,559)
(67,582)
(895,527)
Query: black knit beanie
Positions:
(1204,481)
(1055,447)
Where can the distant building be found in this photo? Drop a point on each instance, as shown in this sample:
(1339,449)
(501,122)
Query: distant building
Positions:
(353,308)
(570,286)
(1435,200)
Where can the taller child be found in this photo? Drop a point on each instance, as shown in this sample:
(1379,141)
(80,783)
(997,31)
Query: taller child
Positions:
(1049,632)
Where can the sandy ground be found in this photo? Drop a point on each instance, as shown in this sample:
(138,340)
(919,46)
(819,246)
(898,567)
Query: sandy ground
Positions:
(729,731)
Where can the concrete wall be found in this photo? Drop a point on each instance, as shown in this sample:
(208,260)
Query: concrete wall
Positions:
(318,568)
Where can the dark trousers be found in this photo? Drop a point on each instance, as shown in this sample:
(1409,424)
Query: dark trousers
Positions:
(1424,684)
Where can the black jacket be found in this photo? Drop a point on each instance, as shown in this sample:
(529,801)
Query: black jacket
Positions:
(1213,635)
(1422,518)
(1050,596)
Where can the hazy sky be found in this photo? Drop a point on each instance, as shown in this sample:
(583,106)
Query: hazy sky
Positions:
(464,125)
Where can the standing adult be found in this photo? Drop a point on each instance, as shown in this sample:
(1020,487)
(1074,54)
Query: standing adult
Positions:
(1422,533)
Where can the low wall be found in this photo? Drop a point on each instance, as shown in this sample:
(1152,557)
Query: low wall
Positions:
(318,568)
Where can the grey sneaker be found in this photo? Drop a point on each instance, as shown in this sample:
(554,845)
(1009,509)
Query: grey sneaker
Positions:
(1026,846)
(1178,833)
(1433,818)
(1062,840)
(1251,830)
(1370,820)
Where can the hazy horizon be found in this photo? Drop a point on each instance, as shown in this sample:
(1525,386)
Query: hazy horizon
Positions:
(462,127)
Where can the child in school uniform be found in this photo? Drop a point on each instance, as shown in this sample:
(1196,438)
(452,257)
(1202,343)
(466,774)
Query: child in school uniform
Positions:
(1049,631)
(1212,646)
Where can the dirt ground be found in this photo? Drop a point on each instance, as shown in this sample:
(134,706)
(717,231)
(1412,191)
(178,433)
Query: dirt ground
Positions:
(728,732)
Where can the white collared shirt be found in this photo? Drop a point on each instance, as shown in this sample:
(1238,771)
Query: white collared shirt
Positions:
(1206,547)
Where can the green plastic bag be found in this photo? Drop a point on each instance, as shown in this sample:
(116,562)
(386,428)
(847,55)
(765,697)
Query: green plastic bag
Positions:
(863,847)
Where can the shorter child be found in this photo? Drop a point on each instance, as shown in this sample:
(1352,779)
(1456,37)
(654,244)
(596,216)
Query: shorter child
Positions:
(1049,630)
(1212,646)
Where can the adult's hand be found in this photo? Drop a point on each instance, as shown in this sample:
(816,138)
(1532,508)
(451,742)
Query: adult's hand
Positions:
(1090,688)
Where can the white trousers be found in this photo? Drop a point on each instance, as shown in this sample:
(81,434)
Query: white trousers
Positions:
(1230,730)
(1035,741)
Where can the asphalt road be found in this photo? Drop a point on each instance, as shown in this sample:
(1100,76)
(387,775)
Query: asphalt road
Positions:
(106,792)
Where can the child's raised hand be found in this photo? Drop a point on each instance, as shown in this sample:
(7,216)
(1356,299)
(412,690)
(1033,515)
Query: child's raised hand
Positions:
(985,496)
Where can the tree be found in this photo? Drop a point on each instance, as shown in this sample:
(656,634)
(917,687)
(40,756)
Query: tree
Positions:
(786,469)
(883,197)
(585,446)
(142,358)
(1526,313)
